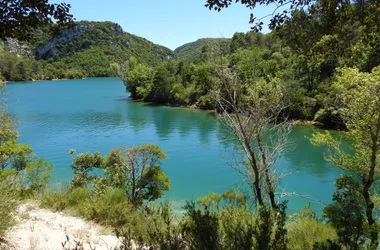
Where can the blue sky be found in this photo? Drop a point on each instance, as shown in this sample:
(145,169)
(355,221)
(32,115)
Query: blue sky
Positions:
(167,22)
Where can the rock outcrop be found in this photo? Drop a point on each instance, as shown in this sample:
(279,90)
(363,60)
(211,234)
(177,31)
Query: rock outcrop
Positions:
(14,46)
(50,47)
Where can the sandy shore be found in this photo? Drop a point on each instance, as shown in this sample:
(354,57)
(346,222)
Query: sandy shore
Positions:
(40,229)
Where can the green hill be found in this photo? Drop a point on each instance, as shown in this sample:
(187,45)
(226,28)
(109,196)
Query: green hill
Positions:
(88,49)
(93,46)
(190,52)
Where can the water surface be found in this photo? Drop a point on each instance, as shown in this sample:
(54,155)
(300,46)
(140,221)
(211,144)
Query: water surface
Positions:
(95,114)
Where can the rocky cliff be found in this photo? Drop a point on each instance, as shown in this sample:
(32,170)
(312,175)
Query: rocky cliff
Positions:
(49,48)
(16,47)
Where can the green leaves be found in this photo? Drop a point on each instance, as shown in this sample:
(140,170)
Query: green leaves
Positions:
(153,182)
(358,103)
(347,213)
(139,81)
(37,175)
(20,18)
(359,100)
(83,165)
(136,170)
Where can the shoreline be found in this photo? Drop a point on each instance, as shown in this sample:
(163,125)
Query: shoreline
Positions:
(34,80)
(189,107)
(194,107)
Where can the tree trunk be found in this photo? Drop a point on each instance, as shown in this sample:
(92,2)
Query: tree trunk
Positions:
(267,174)
(369,203)
(369,213)
(252,159)
(270,191)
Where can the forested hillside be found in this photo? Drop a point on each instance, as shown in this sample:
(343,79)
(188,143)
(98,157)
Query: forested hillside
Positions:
(192,51)
(87,49)
(302,56)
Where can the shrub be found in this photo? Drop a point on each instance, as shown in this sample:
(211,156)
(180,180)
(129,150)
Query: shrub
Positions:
(8,205)
(305,232)
(60,200)
(201,228)
(236,226)
(110,209)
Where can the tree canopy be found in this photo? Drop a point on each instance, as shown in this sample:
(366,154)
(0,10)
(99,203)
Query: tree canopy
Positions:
(331,11)
(18,18)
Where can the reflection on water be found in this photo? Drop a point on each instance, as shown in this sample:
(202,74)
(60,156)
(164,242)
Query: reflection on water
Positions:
(96,115)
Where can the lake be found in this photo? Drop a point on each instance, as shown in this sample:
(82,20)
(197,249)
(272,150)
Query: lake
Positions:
(95,114)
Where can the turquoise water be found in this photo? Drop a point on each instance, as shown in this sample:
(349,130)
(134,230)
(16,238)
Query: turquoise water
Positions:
(95,115)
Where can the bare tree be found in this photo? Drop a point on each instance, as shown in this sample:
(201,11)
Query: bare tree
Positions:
(253,115)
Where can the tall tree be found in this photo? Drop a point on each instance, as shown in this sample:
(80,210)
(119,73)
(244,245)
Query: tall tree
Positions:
(358,103)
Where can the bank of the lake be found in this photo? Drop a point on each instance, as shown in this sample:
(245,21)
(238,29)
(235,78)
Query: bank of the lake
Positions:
(95,114)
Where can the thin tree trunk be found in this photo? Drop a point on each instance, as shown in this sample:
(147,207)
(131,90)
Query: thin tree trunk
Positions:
(267,174)
(252,159)
(369,203)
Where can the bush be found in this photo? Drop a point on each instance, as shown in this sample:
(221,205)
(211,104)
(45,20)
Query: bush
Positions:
(163,232)
(236,226)
(60,200)
(8,206)
(201,228)
(109,209)
(306,232)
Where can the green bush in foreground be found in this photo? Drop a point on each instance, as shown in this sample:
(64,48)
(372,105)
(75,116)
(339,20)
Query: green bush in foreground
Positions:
(8,203)
(305,230)
(60,200)
(213,222)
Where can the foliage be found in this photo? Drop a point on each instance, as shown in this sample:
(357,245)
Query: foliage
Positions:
(20,18)
(99,45)
(18,68)
(327,245)
(201,228)
(194,51)
(305,230)
(253,56)
(83,165)
(347,213)
(136,170)
(323,36)
(330,13)
(358,104)
(140,81)
(225,222)
(90,50)
(8,205)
